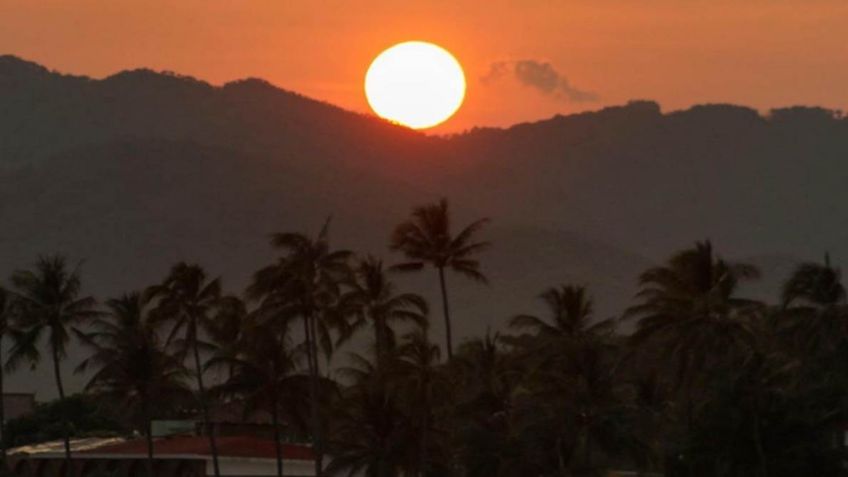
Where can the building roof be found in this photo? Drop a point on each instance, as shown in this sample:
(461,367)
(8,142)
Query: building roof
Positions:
(87,444)
(228,446)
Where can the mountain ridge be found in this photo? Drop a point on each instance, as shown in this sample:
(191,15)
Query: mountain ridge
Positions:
(134,173)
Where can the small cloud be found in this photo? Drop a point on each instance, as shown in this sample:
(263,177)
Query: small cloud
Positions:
(539,75)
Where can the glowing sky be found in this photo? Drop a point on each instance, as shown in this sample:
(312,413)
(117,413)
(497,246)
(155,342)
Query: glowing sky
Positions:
(525,59)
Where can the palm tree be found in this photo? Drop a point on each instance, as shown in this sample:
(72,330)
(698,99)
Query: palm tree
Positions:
(570,309)
(691,303)
(230,321)
(580,404)
(373,299)
(814,284)
(420,384)
(5,320)
(487,380)
(814,300)
(132,366)
(426,238)
(188,299)
(372,435)
(306,282)
(263,374)
(48,302)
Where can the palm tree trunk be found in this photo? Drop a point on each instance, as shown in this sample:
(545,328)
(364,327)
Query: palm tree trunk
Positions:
(275,421)
(275,418)
(560,457)
(422,449)
(57,371)
(213,444)
(2,412)
(690,426)
(446,309)
(758,441)
(149,421)
(313,391)
(380,343)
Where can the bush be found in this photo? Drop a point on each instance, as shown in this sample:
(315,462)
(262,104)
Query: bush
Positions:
(85,417)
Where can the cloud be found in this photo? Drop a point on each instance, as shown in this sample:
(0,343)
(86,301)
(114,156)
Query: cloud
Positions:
(539,75)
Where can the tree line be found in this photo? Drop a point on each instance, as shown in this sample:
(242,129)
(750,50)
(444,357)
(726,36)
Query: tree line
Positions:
(694,379)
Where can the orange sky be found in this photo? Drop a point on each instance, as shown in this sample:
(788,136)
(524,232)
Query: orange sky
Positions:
(762,53)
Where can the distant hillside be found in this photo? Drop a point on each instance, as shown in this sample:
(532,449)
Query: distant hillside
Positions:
(140,169)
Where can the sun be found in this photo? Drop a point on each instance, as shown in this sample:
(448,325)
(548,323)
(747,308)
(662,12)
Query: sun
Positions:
(415,83)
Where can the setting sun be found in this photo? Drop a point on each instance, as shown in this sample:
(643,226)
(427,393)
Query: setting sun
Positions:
(416,84)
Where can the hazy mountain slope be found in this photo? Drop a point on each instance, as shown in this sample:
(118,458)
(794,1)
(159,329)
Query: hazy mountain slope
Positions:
(141,169)
(134,209)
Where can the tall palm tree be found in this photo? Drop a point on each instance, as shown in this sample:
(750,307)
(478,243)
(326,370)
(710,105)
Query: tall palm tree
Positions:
(131,364)
(48,302)
(306,283)
(691,303)
(427,239)
(188,300)
(263,375)
(375,302)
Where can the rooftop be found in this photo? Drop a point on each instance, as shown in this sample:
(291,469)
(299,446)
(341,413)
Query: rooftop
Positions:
(228,446)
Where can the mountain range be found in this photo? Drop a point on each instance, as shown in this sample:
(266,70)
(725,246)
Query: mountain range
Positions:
(131,173)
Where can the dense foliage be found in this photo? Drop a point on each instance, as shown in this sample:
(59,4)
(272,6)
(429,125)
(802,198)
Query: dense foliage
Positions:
(87,416)
(694,379)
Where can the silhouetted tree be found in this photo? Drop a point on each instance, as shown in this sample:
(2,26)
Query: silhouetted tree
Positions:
(427,239)
(571,320)
(230,321)
(373,301)
(814,304)
(691,305)
(263,375)
(421,384)
(188,299)
(48,302)
(5,322)
(131,366)
(306,283)
(372,435)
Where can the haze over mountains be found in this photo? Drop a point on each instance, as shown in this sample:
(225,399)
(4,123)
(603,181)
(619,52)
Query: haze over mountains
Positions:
(136,171)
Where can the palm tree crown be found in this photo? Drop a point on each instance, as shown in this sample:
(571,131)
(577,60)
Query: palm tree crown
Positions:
(129,359)
(570,309)
(373,299)
(695,291)
(131,365)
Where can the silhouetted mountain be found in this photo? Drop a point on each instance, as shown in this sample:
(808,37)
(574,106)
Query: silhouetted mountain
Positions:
(140,169)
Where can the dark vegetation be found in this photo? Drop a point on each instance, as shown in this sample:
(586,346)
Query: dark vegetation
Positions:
(707,382)
(86,415)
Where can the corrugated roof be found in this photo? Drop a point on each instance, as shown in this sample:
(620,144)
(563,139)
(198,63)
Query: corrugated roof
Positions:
(77,445)
(228,446)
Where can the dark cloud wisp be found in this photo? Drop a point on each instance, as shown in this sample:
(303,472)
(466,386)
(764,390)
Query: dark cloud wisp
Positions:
(539,75)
